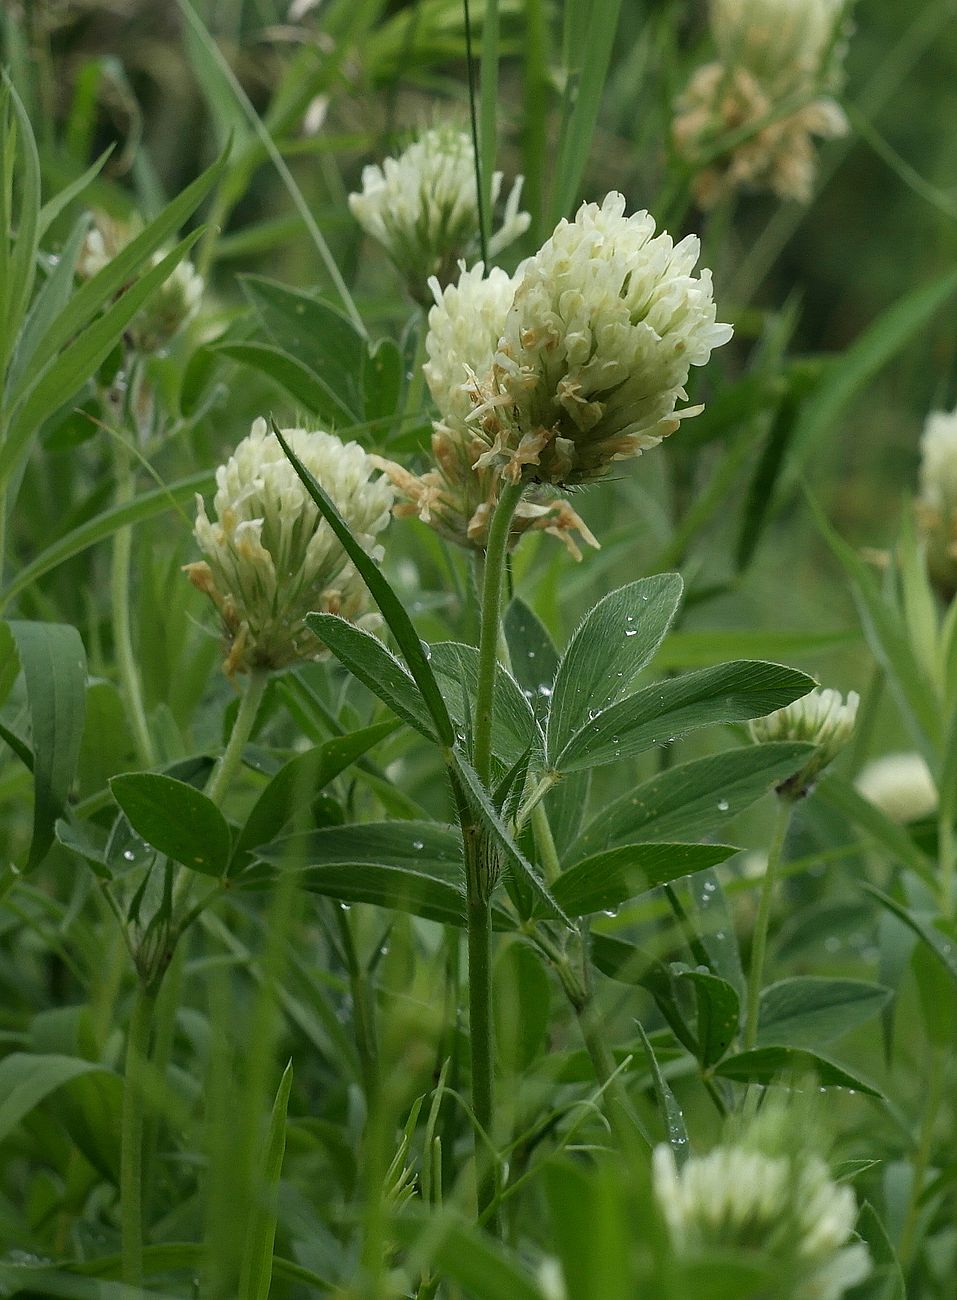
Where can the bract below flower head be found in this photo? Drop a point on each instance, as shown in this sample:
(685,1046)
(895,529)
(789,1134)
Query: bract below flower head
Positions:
(423,207)
(937,502)
(269,556)
(822,718)
(606,320)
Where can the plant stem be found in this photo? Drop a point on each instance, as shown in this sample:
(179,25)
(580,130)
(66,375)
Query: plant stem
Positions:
(229,762)
(545,844)
(760,942)
(363,1009)
(495,553)
(127,666)
(480,1038)
(131,1134)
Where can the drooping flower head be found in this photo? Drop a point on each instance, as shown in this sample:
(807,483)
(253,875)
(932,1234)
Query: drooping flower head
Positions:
(170,308)
(457,495)
(770,1199)
(605,322)
(271,558)
(423,208)
(937,501)
(768,91)
(822,718)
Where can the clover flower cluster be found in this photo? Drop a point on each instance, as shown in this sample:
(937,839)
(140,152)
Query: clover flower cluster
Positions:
(782,1207)
(548,377)
(171,307)
(423,207)
(270,558)
(767,91)
(937,500)
(901,785)
(822,718)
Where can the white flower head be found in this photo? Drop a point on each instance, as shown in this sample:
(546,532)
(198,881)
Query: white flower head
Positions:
(606,321)
(423,207)
(900,785)
(767,92)
(822,718)
(170,308)
(271,558)
(457,494)
(937,500)
(783,1208)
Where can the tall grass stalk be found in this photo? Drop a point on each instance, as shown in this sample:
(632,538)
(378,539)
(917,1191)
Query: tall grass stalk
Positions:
(782,821)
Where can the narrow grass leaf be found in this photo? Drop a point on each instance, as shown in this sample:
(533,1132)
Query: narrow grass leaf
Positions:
(389,604)
(257,1267)
(670,1110)
(25,1080)
(942,945)
(54,668)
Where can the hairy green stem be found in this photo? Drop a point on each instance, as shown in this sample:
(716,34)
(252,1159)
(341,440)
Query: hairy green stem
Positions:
(131,1134)
(130,683)
(495,553)
(545,844)
(232,755)
(760,942)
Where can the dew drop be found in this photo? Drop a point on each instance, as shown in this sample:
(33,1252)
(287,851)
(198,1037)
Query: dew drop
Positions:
(631,631)
(128,855)
(723,805)
(417,844)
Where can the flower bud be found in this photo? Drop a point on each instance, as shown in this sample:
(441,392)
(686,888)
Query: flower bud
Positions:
(270,558)
(423,208)
(820,718)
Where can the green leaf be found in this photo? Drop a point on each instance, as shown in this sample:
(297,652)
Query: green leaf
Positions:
(615,640)
(21,268)
(941,944)
(50,300)
(887,1281)
(427,847)
(318,336)
(54,669)
(604,881)
(146,506)
(376,667)
(807,1010)
(26,1079)
(389,604)
(297,378)
(60,201)
(396,887)
(257,1267)
(381,380)
(521,1002)
(765,1065)
(55,385)
(465,1255)
(301,778)
(718,1008)
(176,819)
(502,836)
(693,799)
(670,1110)
(733,692)
(513,724)
(534,659)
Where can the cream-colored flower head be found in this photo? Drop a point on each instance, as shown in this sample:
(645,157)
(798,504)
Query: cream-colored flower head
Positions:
(423,208)
(822,718)
(900,785)
(785,1209)
(170,308)
(937,500)
(777,60)
(606,320)
(456,495)
(270,557)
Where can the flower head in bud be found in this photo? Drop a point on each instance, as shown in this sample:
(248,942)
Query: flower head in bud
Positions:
(822,718)
(937,502)
(456,495)
(775,59)
(172,306)
(765,1194)
(423,207)
(271,558)
(900,785)
(605,323)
